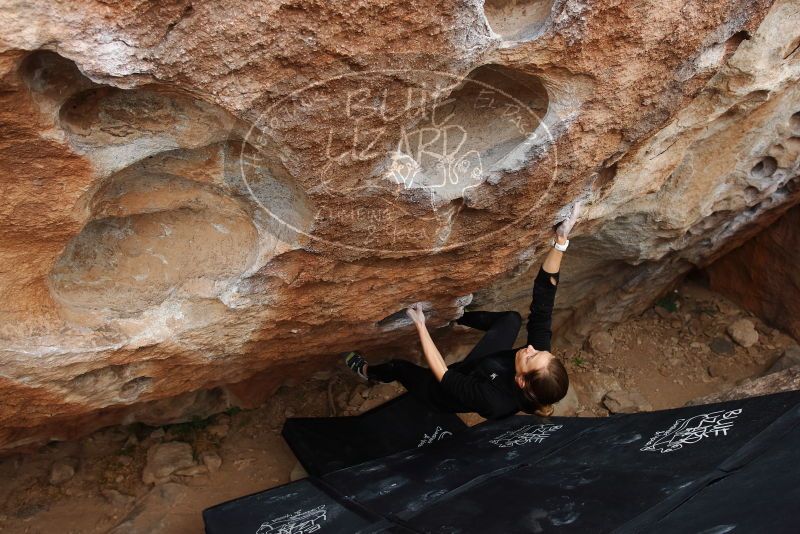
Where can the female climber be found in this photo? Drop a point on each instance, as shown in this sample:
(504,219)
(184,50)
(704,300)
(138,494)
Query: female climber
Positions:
(494,380)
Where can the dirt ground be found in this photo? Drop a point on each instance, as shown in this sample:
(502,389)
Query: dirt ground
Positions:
(676,351)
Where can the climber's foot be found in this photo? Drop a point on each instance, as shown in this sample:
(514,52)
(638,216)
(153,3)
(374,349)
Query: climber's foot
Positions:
(357,363)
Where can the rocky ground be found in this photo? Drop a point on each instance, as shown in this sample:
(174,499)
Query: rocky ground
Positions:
(136,478)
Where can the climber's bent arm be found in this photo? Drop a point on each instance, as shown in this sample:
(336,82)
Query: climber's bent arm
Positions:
(432,354)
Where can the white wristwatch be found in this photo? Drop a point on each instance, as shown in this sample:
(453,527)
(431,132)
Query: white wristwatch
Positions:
(559,247)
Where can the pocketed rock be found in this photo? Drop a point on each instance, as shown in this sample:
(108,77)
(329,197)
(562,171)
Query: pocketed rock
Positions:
(743,332)
(60,473)
(146,244)
(601,343)
(163,459)
(626,402)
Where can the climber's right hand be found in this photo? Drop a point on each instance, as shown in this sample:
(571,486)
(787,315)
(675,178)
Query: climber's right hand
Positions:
(565,227)
(416,314)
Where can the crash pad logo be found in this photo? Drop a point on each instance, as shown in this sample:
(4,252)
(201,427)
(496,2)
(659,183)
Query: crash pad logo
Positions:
(524,435)
(688,431)
(299,522)
(438,434)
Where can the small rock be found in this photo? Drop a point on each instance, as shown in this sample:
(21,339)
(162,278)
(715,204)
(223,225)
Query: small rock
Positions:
(371,403)
(218,431)
(323,376)
(719,370)
(163,459)
(131,442)
(156,434)
(289,412)
(789,358)
(383,391)
(298,472)
(663,313)
(116,498)
(743,332)
(601,343)
(60,473)
(726,307)
(222,419)
(192,471)
(356,400)
(124,460)
(568,406)
(598,384)
(211,460)
(341,400)
(625,402)
(721,345)
(763,328)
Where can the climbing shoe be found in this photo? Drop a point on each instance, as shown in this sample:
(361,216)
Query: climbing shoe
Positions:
(356,362)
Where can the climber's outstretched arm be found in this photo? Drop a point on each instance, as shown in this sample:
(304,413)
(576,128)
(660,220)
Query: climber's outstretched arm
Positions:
(544,287)
(432,354)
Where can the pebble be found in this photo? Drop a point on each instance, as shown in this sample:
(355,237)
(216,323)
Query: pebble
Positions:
(220,431)
(617,401)
(116,498)
(601,343)
(163,459)
(192,471)
(298,472)
(789,358)
(743,332)
(719,370)
(211,460)
(60,472)
(663,312)
(720,345)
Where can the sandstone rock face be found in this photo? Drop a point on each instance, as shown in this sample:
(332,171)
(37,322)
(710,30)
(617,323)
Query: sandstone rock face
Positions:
(201,201)
(763,274)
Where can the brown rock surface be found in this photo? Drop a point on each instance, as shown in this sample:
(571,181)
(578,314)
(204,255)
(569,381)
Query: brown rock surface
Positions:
(763,274)
(786,380)
(202,201)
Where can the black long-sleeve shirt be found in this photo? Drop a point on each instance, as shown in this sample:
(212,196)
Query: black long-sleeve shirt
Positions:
(486,384)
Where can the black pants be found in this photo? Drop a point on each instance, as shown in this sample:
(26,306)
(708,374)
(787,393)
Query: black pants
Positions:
(501,331)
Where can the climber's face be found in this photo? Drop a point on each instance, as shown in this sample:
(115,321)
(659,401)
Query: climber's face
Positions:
(529,359)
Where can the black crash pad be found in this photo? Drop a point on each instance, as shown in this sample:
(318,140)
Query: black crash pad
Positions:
(717,468)
(326,444)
